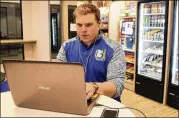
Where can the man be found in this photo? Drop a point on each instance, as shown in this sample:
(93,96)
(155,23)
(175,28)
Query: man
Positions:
(102,58)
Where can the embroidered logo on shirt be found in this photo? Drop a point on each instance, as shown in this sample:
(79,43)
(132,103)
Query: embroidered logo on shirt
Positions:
(100,55)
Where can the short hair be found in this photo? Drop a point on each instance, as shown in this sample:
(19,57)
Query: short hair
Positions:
(85,9)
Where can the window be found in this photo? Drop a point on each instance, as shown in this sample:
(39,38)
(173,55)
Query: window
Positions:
(11,20)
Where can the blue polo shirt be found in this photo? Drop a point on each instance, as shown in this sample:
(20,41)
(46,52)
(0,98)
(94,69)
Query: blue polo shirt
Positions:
(103,60)
(94,58)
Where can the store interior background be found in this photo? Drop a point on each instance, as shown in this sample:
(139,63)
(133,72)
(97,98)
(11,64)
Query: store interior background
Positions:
(35,30)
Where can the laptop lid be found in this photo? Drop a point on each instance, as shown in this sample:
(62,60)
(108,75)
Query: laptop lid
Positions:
(53,86)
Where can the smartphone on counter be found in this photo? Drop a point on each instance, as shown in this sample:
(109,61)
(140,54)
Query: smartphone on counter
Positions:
(111,113)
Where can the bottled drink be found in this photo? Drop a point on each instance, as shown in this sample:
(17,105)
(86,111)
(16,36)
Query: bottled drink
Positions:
(145,9)
(143,36)
(156,21)
(162,35)
(152,8)
(159,36)
(153,21)
(156,8)
(152,35)
(144,21)
(149,35)
(162,8)
(163,21)
(147,21)
(159,21)
(149,8)
(155,36)
(146,35)
(150,21)
(159,8)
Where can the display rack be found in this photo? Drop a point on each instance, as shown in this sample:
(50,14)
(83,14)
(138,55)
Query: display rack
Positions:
(128,43)
(104,13)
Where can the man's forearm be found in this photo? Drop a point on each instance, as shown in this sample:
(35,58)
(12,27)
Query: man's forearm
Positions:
(107,88)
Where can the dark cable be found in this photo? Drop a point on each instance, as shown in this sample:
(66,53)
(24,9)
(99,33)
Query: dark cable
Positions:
(122,108)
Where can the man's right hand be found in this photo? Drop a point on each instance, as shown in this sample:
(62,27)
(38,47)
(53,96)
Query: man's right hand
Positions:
(90,90)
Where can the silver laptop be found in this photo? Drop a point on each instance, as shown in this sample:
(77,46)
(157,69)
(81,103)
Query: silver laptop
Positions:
(52,86)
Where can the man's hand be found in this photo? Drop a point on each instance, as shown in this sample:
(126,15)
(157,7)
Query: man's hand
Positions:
(89,90)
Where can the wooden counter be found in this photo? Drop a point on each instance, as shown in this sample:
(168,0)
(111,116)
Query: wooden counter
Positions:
(29,47)
(16,41)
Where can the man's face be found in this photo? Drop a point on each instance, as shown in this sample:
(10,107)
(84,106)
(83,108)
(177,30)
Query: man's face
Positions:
(87,28)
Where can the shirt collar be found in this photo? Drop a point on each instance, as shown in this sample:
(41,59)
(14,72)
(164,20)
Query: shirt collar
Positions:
(97,40)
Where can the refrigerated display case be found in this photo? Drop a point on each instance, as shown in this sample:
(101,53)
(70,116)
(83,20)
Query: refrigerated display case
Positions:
(151,48)
(173,88)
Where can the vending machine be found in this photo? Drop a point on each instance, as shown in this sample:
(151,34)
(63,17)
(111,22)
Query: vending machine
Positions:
(173,86)
(151,49)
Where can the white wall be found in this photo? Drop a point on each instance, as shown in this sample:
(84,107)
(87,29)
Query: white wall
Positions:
(64,14)
(114,14)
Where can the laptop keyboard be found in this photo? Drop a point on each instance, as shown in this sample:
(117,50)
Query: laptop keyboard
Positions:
(93,98)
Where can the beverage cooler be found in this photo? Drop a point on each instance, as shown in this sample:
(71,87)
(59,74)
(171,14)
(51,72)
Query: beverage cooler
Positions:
(173,86)
(151,49)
